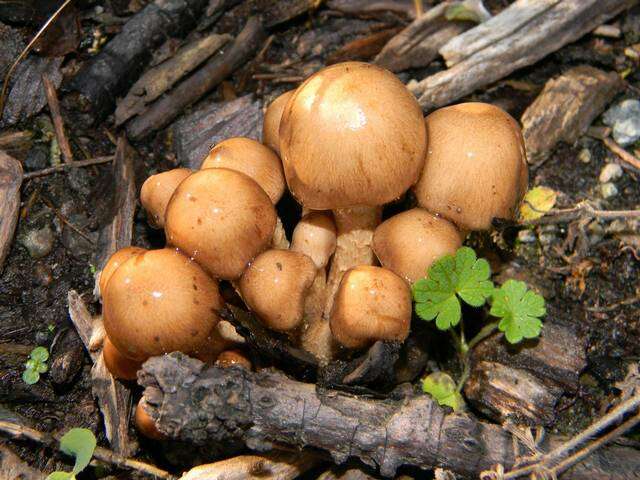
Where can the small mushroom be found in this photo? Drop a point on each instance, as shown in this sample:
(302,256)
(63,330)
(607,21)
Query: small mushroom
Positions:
(115,260)
(158,302)
(372,304)
(145,424)
(271,123)
(408,243)
(156,192)
(222,219)
(352,138)
(275,287)
(229,358)
(120,366)
(476,168)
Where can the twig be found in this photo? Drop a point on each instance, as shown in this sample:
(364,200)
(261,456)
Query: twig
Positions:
(66,221)
(65,166)
(56,116)
(18,431)
(625,156)
(583,210)
(26,51)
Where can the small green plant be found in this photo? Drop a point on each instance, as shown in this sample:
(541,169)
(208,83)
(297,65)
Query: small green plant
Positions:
(80,444)
(465,278)
(36,365)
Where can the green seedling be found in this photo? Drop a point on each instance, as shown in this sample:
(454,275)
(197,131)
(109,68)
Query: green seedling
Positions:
(80,444)
(36,365)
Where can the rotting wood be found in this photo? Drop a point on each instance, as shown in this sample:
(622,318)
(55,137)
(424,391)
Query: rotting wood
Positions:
(418,44)
(565,108)
(161,78)
(56,117)
(406,8)
(275,13)
(10,182)
(363,48)
(214,71)
(200,405)
(546,32)
(121,61)
(12,467)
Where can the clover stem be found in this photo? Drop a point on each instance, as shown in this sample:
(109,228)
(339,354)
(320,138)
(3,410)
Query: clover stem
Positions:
(487,330)
(465,374)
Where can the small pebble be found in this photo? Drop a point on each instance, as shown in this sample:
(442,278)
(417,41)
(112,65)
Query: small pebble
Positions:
(611,171)
(608,190)
(585,155)
(43,275)
(624,119)
(526,236)
(38,242)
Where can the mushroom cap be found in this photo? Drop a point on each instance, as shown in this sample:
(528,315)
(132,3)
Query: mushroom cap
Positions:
(274,287)
(351,134)
(222,219)
(156,192)
(229,358)
(158,302)
(408,243)
(315,236)
(372,304)
(115,260)
(120,366)
(476,167)
(145,425)
(252,158)
(271,123)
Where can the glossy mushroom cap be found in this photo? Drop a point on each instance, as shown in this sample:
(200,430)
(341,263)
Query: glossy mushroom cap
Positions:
(120,366)
(229,358)
(115,260)
(274,287)
(156,192)
(222,219)
(145,425)
(408,243)
(252,158)
(271,123)
(476,167)
(351,134)
(158,302)
(315,236)
(372,304)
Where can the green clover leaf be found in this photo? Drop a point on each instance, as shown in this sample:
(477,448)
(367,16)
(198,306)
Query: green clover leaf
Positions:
(443,390)
(80,443)
(30,376)
(519,309)
(39,354)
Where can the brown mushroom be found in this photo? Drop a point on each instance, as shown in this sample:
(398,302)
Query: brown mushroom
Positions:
(229,358)
(476,168)
(120,366)
(352,138)
(275,286)
(156,192)
(271,123)
(408,243)
(160,301)
(222,219)
(145,424)
(372,304)
(115,260)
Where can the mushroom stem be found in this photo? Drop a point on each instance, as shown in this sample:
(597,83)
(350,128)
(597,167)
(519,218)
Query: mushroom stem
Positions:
(315,336)
(280,240)
(355,226)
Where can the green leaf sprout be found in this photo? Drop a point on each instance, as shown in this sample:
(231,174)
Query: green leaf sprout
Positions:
(519,309)
(79,443)
(443,390)
(35,365)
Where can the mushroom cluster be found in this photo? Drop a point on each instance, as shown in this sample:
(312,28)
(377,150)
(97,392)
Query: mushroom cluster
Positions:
(346,142)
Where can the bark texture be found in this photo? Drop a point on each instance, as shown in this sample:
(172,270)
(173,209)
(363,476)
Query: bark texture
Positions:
(10,182)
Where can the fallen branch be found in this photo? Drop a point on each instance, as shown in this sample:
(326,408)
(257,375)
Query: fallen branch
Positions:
(66,166)
(20,432)
(202,405)
(520,35)
(56,116)
(622,154)
(583,210)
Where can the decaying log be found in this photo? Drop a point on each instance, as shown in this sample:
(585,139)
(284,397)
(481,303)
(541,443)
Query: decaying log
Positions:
(565,109)
(199,405)
(10,182)
(418,44)
(161,78)
(164,110)
(515,44)
(269,466)
(197,132)
(12,467)
(110,73)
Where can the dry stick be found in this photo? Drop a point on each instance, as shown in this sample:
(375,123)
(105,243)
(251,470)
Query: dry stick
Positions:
(65,166)
(25,52)
(18,431)
(66,221)
(582,210)
(625,156)
(58,123)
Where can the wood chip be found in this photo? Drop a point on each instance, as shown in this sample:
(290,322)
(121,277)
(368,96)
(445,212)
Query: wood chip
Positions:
(12,467)
(405,8)
(10,182)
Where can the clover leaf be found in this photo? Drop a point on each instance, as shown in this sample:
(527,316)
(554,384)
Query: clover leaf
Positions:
(79,443)
(35,365)
(519,309)
(443,390)
(450,279)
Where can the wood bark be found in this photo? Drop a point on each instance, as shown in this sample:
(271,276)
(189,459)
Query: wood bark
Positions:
(164,110)
(518,44)
(565,108)
(10,182)
(110,73)
(265,408)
